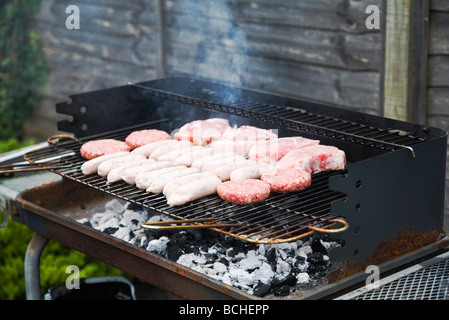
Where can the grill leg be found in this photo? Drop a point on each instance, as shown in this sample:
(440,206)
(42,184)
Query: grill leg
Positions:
(32,266)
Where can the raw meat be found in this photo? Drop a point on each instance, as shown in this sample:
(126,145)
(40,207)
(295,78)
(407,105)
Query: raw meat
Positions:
(245,191)
(202,132)
(116,174)
(97,148)
(159,183)
(146,178)
(273,150)
(202,161)
(252,171)
(314,159)
(240,140)
(130,174)
(159,151)
(194,154)
(148,148)
(194,190)
(174,184)
(224,172)
(177,152)
(91,166)
(142,137)
(287,180)
(105,167)
(212,165)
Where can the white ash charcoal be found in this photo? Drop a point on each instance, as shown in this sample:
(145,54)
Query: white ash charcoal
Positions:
(186,260)
(105,220)
(114,206)
(158,245)
(304,251)
(124,233)
(220,267)
(251,261)
(303,278)
(84,221)
(132,219)
(226,279)
(282,267)
(241,277)
(264,273)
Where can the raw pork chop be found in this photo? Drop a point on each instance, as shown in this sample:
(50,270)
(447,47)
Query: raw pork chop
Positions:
(240,140)
(202,132)
(273,150)
(314,159)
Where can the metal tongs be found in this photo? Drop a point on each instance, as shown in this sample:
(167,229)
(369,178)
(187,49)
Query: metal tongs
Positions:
(187,224)
(56,162)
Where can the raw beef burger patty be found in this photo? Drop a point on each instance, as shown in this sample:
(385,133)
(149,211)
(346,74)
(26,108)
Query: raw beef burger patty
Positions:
(140,138)
(96,148)
(244,191)
(287,180)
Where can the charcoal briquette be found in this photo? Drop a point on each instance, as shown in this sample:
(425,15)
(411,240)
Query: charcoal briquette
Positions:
(282,290)
(318,247)
(261,289)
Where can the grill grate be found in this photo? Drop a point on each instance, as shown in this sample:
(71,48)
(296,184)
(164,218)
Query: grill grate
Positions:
(280,218)
(430,283)
(294,118)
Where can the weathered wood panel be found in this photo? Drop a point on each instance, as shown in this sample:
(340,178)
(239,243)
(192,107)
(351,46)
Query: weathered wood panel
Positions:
(318,50)
(116,43)
(438,76)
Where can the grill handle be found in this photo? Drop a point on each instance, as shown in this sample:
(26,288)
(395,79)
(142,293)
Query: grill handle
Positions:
(325,230)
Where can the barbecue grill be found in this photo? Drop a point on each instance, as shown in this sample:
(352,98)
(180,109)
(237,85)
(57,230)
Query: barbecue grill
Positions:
(385,208)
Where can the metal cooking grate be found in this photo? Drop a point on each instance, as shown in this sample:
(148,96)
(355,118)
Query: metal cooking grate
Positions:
(280,218)
(430,283)
(293,118)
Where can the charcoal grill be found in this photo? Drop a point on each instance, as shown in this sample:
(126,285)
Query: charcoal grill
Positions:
(386,206)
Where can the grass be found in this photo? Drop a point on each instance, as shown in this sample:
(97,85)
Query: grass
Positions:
(54,260)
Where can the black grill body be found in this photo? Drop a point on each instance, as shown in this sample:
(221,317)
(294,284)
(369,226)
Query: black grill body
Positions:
(393,184)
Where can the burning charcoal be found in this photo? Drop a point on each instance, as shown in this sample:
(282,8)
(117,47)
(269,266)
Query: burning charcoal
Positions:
(282,290)
(158,245)
(174,252)
(224,261)
(317,246)
(210,258)
(303,278)
(264,274)
(278,280)
(115,206)
(251,262)
(261,289)
(220,267)
(271,255)
(316,258)
(110,230)
(282,267)
(123,233)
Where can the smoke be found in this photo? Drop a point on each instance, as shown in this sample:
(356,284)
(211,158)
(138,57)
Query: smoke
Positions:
(217,45)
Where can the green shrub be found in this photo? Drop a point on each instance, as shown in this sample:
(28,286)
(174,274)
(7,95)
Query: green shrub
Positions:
(54,260)
(23,69)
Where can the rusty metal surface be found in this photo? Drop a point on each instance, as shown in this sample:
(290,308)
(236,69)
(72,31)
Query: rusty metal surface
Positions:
(52,210)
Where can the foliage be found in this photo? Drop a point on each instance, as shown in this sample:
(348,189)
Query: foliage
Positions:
(54,260)
(22,66)
(13,144)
